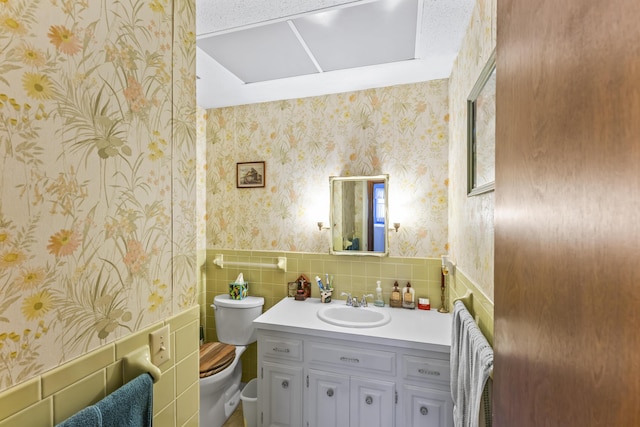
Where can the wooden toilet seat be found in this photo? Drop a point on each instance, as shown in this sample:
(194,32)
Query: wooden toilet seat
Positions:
(214,357)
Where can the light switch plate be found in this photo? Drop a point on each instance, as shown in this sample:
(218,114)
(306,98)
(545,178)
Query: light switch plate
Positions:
(160,345)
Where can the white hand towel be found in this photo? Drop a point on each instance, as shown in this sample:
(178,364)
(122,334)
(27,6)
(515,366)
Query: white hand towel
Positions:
(471,365)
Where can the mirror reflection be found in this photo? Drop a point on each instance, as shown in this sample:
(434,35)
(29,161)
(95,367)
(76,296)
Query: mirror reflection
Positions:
(359,215)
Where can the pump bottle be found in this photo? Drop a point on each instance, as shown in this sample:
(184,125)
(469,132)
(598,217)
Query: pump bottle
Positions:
(379,302)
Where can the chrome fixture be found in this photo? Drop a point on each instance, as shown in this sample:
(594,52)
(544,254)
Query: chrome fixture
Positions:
(322,227)
(363,301)
(349,299)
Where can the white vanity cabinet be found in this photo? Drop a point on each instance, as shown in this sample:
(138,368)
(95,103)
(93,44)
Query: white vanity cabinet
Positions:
(281,381)
(339,400)
(372,403)
(366,378)
(330,394)
(325,382)
(426,392)
(425,407)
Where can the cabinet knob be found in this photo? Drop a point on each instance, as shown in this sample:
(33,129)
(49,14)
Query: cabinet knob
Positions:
(330,392)
(424,410)
(285,384)
(368,400)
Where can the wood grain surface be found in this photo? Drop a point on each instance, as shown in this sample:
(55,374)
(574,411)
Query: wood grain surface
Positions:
(567,214)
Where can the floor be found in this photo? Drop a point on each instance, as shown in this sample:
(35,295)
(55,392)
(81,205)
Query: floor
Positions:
(236,419)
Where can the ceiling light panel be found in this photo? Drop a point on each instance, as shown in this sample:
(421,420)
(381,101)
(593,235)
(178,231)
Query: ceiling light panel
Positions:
(369,34)
(261,53)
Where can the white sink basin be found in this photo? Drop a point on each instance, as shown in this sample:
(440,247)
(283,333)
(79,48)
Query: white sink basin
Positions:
(353,317)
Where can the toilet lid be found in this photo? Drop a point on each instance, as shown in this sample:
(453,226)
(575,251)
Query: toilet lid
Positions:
(214,357)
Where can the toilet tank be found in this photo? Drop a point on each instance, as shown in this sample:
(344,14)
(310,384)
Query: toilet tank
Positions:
(234,318)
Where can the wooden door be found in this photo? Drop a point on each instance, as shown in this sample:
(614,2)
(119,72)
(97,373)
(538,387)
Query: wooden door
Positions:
(567,214)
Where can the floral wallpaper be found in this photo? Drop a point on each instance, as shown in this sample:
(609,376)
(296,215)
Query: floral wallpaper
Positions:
(401,131)
(97,175)
(471,218)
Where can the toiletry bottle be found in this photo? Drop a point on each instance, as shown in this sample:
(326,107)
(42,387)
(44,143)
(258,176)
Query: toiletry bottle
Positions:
(396,298)
(379,302)
(408,300)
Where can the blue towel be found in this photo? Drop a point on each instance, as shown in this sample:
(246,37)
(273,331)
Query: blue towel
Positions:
(88,417)
(471,365)
(129,406)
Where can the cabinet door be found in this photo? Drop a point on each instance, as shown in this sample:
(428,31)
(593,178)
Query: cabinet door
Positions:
(281,392)
(372,403)
(425,407)
(328,399)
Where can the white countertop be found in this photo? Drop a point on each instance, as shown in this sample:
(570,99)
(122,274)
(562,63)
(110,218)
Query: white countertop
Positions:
(416,329)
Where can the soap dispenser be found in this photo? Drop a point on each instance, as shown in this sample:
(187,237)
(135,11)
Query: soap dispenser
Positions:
(396,298)
(408,297)
(379,302)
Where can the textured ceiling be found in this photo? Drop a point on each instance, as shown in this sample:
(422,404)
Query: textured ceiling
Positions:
(271,50)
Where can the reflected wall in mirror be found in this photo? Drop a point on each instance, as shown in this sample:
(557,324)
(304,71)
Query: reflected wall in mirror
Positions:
(359,215)
(481,131)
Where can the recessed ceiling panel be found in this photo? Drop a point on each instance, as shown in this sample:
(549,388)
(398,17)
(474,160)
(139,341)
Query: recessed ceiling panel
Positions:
(369,34)
(261,53)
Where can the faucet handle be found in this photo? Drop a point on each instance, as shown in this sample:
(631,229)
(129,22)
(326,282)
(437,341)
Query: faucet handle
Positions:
(349,299)
(363,303)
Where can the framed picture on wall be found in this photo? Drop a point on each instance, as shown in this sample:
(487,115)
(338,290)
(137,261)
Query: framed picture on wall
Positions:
(250,174)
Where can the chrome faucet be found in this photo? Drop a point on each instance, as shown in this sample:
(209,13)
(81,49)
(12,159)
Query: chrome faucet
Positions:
(349,299)
(363,302)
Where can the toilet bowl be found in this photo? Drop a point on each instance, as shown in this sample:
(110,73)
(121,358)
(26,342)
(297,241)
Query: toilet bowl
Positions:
(220,391)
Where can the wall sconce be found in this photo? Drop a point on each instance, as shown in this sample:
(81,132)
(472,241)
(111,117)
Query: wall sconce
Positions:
(322,227)
(396,226)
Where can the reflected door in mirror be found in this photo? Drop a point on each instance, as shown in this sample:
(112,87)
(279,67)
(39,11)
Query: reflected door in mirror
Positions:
(359,215)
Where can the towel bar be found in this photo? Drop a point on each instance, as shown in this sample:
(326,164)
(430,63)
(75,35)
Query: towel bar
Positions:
(281,264)
(138,362)
(467,300)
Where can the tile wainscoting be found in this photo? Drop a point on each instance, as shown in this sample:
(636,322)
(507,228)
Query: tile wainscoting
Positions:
(353,274)
(57,394)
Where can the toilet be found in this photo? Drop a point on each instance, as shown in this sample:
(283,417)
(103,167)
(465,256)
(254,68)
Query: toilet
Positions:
(220,365)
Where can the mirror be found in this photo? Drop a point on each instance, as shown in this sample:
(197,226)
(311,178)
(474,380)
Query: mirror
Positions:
(359,215)
(481,131)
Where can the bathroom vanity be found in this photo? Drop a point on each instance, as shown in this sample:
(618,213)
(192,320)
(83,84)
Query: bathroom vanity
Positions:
(313,373)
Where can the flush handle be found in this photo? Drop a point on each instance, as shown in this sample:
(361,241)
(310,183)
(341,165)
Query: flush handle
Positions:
(424,410)
(368,400)
(330,392)
(285,384)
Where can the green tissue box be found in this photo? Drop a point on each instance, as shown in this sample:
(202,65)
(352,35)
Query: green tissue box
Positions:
(238,290)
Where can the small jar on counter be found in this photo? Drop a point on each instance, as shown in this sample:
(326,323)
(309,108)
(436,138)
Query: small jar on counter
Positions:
(424,304)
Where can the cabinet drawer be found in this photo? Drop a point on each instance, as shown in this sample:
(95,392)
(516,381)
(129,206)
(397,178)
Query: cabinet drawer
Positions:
(282,348)
(425,369)
(342,357)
